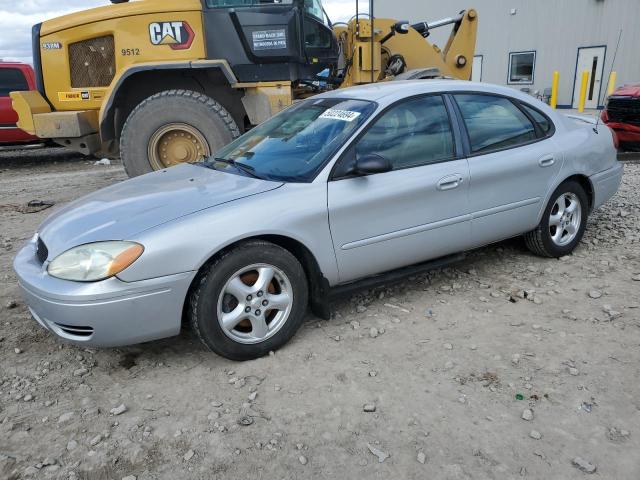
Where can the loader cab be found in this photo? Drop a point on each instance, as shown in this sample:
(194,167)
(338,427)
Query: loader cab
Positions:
(270,40)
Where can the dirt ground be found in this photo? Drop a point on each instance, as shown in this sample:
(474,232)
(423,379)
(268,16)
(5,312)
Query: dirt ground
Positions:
(451,362)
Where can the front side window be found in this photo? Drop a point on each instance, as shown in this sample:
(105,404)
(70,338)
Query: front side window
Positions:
(12,80)
(295,144)
(522,67)
(412,133)
(242,3)
(494,123)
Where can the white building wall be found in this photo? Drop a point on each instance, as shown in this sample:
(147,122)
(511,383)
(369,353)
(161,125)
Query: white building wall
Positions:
(555,29)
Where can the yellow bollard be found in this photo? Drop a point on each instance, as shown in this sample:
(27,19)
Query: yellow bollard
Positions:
(612,83)
(554,89)
(583,91)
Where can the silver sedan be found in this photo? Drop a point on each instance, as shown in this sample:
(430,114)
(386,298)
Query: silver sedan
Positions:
(335,191)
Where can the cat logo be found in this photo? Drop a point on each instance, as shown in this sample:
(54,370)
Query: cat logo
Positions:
(178,35)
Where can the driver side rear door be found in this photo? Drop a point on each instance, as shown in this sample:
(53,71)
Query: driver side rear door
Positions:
(417,211)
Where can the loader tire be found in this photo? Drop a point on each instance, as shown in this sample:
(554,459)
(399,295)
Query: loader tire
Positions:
(172,127)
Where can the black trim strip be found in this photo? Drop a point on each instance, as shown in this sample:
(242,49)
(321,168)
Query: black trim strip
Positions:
(393,276)
(466,143)
(37,59)
(107,127)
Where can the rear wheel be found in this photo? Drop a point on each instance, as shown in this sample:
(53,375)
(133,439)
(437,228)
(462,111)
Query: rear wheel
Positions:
(249,301)
(563,222)
(173,127)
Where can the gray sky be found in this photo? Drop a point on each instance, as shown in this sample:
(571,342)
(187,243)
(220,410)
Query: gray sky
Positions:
(17,17)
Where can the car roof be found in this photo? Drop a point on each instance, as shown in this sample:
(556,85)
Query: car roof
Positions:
(385,93)
(8,64)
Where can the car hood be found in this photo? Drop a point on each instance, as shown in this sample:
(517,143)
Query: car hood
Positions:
(627,91)
(122,210)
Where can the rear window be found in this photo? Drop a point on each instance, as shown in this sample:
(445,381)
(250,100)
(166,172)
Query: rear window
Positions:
(12,80)
(242,3)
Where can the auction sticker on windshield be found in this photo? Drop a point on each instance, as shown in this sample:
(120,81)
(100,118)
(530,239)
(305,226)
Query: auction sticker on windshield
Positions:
(344,115)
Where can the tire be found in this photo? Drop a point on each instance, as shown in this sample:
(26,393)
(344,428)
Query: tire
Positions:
(541,240)
(204,117)
(210,301)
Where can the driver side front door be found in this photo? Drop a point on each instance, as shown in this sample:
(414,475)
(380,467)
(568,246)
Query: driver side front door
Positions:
(416,212)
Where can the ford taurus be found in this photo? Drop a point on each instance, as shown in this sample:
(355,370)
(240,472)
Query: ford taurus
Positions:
(338,188)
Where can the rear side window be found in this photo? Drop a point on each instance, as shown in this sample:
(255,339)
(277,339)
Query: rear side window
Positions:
(411,133)
(543,122)
(494,123)
(12,80)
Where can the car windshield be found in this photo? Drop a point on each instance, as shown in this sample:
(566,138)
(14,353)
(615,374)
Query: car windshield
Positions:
(295,144)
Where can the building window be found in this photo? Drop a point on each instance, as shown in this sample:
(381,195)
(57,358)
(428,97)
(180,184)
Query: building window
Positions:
(522,66)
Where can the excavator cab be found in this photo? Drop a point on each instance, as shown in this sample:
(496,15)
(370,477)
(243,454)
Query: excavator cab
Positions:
(270,40)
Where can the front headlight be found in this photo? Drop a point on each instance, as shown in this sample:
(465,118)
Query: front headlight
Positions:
(95,261)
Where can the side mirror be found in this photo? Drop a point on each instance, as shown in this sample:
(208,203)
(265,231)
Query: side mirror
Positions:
(372,163)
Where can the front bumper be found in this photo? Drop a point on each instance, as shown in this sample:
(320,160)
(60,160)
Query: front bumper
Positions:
(107,313)
(77,130)
(10,135)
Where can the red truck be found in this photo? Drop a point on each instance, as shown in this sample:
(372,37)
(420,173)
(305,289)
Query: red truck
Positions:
(14,76)
(622,114)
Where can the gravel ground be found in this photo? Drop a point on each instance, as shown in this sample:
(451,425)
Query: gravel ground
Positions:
(504,366)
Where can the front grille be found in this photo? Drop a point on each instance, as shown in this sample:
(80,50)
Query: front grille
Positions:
(75,330)
(624,110)
(42,252)
(92,62)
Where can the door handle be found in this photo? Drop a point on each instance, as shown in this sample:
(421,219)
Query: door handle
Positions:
(449,182)
(546,161)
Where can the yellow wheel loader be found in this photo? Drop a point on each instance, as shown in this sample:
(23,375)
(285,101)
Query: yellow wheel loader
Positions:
(160,82)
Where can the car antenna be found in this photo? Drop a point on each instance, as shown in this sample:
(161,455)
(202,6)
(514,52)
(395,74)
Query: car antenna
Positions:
(613,62)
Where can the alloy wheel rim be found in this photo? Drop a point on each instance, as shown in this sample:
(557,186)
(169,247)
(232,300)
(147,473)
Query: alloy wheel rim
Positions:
(565,219)
(176,143)
(255,303)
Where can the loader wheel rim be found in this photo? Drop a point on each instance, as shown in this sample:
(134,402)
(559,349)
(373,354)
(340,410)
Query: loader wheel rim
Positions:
(176,143)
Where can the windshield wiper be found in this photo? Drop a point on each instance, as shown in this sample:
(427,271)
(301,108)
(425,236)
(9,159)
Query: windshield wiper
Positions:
(239,166)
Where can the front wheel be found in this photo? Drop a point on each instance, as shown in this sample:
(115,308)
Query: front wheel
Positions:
(563,222)
(173,127)
(249,301)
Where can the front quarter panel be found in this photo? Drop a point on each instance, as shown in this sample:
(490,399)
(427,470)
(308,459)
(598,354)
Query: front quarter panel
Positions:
(297,211)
